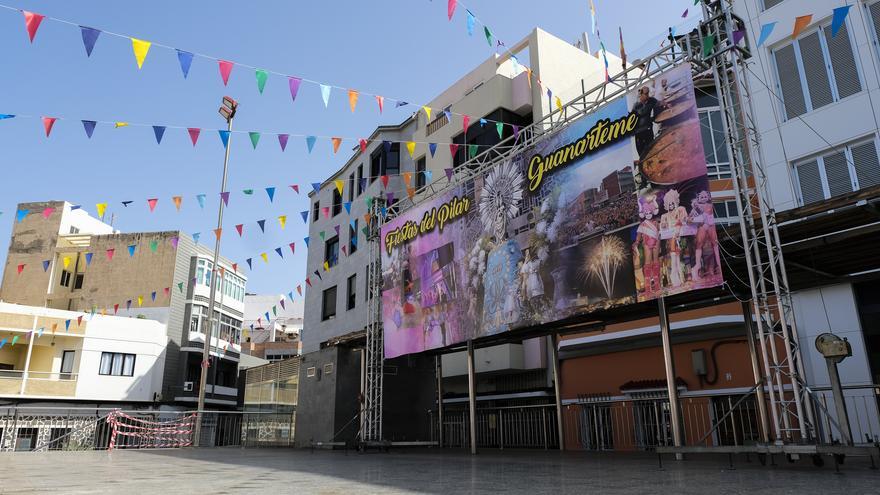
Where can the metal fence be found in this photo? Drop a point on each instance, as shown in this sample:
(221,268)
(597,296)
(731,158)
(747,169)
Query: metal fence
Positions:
(44,429)
(499,427)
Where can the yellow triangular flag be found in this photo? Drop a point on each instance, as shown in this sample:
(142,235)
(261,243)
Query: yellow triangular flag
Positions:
(326,267)
(121,124)
(427,112)
(140,300)
(101,207)
(282,220)
(530,77)
(265,257)
(558,103)
(411,147)
(339,184)
(140,48)
(66,261)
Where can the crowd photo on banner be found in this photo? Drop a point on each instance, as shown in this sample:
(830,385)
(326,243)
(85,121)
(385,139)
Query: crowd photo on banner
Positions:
(612,209)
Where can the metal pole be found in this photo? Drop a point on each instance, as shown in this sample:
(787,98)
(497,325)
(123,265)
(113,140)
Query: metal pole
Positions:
(756,371)
(439,368)
(27,359)
(206,352)
(557,384)
(839,404)
(472,396)
(674,412)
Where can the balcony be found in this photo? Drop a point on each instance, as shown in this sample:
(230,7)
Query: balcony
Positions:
(37,384)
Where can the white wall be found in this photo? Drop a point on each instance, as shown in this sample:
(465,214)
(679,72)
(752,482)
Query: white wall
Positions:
(81,219)
(144,338)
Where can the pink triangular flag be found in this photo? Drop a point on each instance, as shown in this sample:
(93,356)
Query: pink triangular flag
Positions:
(295,187)
(453,148)
(194,134)
(48,212)
(239,228)
(465,121)
(225,69)
(152,202)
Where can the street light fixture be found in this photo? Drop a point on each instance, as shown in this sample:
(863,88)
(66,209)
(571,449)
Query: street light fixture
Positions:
(227,111)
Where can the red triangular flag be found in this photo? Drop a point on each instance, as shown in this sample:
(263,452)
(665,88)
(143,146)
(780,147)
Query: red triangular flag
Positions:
(115,308)
(299,290)
(110,254)
(308,282)
(384,181)
(239,228)
(381,101)
(292,247)
(295,187)
(225,69)
(363,143)
(48,122)
(194,134)
(32,23)
(453,148)
(79,320)
(152,202)
(21,268)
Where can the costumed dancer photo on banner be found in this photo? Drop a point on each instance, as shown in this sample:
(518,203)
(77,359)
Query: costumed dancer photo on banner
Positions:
(612,209)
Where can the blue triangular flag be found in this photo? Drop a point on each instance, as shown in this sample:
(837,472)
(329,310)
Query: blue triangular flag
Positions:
(66,325)
(159,131)
(310,142)
(387,146)
(40,332)
(131,249)
(400,104)
(196,236)
(307,241)
(249,263)
(271,192)
(766,29)
(290,295)
(2,342)
(201,200)
(482,122)
(46,265)
(185,59)
(305,215)
(840,14)
(316,186)
(89,36)
(280,253)
(89,126)
(75,207)
(19,216)
(267,317)
(6,116)
(428,175)
(224,136)
(325,94)
(88,259)
(470,23)
(384,211)
(432,147)
(347,206)
(448,115)
(153,295)
(262,224)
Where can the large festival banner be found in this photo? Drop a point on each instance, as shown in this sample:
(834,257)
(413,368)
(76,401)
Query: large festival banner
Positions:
(611,210)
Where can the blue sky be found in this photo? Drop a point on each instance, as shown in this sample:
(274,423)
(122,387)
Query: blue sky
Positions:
(404,49)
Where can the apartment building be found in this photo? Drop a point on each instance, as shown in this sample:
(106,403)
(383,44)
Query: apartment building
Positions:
(71,261)
(273,325)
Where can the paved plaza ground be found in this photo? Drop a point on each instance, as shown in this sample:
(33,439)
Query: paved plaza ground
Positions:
(281,471)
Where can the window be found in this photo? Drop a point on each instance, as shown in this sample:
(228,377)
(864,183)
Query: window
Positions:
(421,163)
(328,304)
(816,70)
(375,164)
(310,371)
(392,160)
(360,179)
(67,358)
(725,211)
(337,201)
(351,292)
(351,187)
(74,230)
(116,364)
(353,236)
(385,160)
(714,144)
(316,208)
(78,281)
(771,3)
(328,368)
(839,171)
(65,278)
(331,251)
(26,439)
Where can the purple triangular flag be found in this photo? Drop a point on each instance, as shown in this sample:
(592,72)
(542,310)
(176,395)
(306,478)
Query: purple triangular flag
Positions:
(738,35)
(89,126)
(225,197)
(336,228)
(515,132)
(390,197)
(294,82)
(448,173)
(89,36)
(282,140)
(46,265)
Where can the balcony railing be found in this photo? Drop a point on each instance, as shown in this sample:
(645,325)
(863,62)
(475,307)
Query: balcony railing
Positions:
(39,383)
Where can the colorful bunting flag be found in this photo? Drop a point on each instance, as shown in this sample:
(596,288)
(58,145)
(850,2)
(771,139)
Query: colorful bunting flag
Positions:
(282,141)
(347,206)
(177,200)
(336,142)
(201,200)
(224,137)
(800,23)
(293,83)
(270,191)
(196,236)
(47,212)
(140,49)
(450,8)
(282,220)
(380,100)
(21,268)
(325,94)
(194,134)
(363,144)
(88,259)
(110,253)
(305,216)
(427,112)
(185,59)
(32,23)
(839,16)
(410,148)
(499,126)
(131,249)
(249,262)
(225,197)
(488,35)
(279,252)
(89,37)
(225,69)
(154,245)
(471,20)
(239,228)
(453,149)
(159,131)
(46,265)
(262,224)
(255,138)
(218,232)
(292,247)
(152,204)
(101,208)
(352,99)
(432,147)
(310,142)
(48,123)
(265,257)
(262,76)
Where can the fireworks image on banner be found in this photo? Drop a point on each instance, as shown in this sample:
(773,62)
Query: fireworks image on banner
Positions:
(606,258)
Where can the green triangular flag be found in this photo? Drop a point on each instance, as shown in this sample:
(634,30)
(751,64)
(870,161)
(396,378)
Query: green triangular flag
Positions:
(261,79)
(180,286)
(488,35)
(248,191)
(708,45)
(365,231)
(321,234)
(472,150)
(153,245)
(369,202)
(274,311)
(255,138)
(499,126)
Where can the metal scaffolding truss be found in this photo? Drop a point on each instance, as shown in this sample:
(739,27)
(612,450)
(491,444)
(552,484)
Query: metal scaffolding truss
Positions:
(783,370)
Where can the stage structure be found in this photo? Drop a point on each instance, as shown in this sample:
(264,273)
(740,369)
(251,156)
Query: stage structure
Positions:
(718,48)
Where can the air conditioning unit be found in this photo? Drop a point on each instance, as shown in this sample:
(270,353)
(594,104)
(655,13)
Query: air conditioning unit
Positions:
(187,386)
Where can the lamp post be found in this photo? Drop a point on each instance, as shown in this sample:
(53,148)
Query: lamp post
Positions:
(227,111)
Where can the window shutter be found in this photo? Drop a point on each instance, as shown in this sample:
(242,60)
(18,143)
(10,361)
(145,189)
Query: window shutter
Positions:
(771,3)
(837,173)
(815,71)
(874,10)
(866,164)
(810,182)
(790,82)
(846,76)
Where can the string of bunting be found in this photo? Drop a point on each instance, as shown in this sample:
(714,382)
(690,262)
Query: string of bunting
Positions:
(838,17)
(141,48)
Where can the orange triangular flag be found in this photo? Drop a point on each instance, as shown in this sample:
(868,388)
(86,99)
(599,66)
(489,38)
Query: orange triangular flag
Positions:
(218,232)
(800,23)
(352,99)
(410,191)
(177,200)
(336,142)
